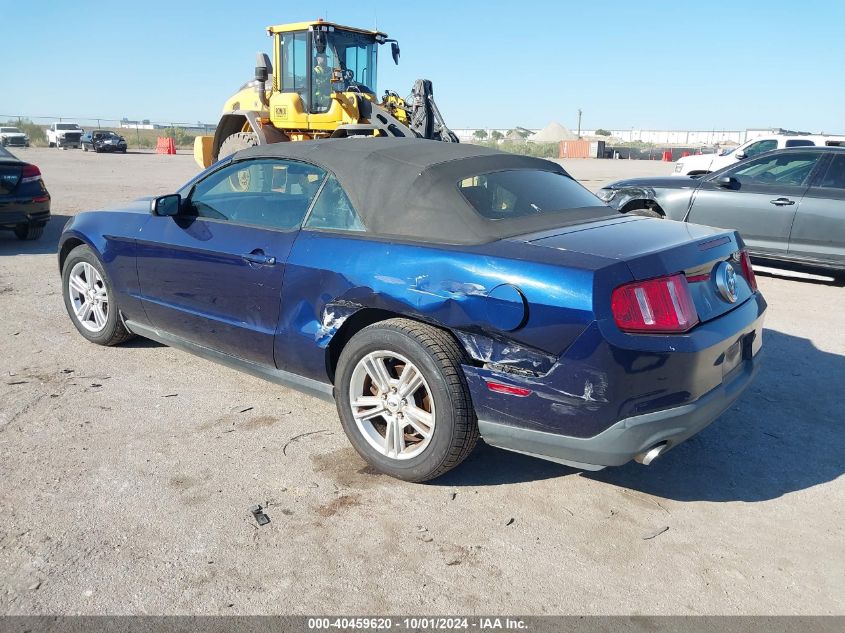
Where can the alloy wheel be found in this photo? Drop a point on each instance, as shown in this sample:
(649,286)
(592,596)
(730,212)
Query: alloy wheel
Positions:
(392,405)
(89,297)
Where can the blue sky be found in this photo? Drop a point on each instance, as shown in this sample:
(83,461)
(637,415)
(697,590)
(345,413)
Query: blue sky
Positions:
(644,64)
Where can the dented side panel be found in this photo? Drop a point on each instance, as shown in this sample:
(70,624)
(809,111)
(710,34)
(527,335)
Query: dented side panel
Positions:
(329,277)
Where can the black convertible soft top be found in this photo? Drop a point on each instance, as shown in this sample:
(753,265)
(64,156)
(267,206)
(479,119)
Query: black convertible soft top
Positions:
(409,187)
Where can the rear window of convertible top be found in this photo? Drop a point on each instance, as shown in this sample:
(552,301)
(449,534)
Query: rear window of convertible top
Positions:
(518,193)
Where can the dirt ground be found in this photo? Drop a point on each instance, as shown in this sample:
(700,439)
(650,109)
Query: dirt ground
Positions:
(127,475)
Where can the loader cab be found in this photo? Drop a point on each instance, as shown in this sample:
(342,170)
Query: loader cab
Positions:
(316,59)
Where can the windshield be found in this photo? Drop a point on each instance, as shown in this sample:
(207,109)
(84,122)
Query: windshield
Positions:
(519,193)
(357,54)
(351,55)
(67,126)
(10,130)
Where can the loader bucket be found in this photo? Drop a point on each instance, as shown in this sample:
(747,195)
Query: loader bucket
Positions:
(203,146)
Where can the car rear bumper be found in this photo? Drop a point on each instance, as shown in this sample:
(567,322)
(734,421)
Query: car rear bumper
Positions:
(603,403)
(16,211)
(628,438)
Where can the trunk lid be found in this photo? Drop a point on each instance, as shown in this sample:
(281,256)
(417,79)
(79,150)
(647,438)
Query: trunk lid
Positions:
(655,248)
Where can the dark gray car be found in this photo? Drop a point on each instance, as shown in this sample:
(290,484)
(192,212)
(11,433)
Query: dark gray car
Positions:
(789,204)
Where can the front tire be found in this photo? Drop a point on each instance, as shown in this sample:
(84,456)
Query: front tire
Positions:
(403,399)
(236,142)
(90,299)
(246,179)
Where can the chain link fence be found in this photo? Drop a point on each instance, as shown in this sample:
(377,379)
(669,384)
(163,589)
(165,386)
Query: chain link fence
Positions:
(138,134)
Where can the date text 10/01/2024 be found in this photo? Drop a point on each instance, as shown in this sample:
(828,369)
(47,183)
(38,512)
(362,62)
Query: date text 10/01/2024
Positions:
(417,623)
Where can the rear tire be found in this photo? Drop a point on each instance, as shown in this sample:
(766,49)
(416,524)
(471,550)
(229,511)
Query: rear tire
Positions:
(29,231)
(110,331)
(435,421)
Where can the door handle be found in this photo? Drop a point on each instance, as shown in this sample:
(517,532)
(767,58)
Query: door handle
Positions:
(781,202)
(258,257)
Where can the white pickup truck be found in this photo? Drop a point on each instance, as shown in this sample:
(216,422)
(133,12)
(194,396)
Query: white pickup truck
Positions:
(705,163)
(64,135)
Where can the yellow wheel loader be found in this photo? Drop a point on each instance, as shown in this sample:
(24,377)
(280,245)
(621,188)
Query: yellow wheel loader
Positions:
(322,84)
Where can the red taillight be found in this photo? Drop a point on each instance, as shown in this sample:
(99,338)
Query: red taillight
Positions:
(508,389)
(655,305)
(747,271)
(30,173)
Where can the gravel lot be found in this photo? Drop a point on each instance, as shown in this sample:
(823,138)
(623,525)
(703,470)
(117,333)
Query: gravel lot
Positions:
(128,473)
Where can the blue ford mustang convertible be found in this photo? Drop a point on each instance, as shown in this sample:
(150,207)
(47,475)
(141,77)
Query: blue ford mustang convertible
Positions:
(436,292)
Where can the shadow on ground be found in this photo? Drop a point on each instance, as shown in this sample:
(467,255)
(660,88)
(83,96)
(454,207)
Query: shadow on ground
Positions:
(47,243)
(779,270)
(141,343)
(785,434)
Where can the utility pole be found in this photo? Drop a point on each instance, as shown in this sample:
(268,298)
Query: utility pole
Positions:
(579,123)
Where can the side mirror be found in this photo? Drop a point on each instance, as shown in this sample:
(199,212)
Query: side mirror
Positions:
(394,50)
(727,182)
(740,155)
(166,206)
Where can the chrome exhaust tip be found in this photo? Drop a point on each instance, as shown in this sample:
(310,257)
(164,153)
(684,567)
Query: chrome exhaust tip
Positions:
(646,457)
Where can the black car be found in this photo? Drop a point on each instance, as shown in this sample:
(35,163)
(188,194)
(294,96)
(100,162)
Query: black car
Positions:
(103,141)
(24,201)
(788,204)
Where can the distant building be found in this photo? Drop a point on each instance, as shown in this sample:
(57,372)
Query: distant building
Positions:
(137,125)
(146,124)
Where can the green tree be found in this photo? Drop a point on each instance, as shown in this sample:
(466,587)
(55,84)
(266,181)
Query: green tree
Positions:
(496,135)
(602,132)
(480,134)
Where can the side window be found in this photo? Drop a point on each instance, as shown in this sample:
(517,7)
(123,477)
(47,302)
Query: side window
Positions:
(834,178)
(333,210)
(790,168)
(760,147)
(271,193)
(799,142)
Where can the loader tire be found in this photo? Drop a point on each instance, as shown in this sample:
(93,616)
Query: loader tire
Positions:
(236,142)
(247,179)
